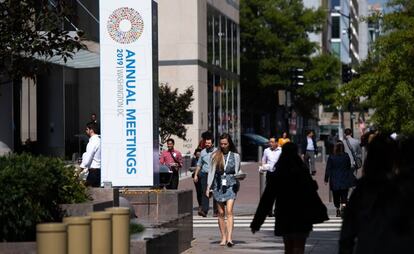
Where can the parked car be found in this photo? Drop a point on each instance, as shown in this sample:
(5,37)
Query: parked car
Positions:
(250,143)
(4,149)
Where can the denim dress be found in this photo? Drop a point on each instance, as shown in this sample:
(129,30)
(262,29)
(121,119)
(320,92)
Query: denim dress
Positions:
(224,193)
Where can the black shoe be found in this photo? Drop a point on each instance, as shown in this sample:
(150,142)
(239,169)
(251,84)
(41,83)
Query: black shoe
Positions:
(202,214)
(230,244)
(338,213)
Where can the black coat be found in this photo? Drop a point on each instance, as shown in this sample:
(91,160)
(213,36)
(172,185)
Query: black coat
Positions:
(339,173)
(290,188)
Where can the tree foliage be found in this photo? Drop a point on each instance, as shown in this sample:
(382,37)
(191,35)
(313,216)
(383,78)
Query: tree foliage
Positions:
(173,111)
(275,39)
(386,79)
(33,28)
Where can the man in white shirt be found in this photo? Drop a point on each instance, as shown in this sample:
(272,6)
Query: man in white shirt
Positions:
(309,151)
(269,159)
(91,159)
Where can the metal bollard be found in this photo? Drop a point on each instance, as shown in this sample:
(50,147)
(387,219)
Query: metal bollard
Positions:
(262,175)
(79,234)
(51,238)
(323,153)
(120,229)
(101,228)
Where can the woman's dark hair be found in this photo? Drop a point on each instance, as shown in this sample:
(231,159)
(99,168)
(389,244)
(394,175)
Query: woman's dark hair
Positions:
(339,148)
(289,159)
(381,157)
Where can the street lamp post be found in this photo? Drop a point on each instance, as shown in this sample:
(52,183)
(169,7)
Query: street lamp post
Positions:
(347,74)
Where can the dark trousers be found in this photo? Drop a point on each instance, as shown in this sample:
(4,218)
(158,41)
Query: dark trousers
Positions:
(310,160)
(269,176)
(205,201)
(94,177)
(340,197)
(174,181)
(199,192)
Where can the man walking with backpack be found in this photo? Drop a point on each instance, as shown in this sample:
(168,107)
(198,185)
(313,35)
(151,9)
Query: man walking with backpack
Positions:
(353,149)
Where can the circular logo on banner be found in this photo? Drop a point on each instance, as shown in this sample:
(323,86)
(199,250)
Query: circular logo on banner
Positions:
(125,25)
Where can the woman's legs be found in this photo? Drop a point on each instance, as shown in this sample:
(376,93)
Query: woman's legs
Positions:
(344,196)
(221,223)
(288,245)
(343,199)
(336,198)
(230,221)
(298,245)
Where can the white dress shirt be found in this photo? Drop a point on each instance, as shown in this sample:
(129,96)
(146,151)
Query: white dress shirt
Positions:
(92,157)
(271,157)
(310,146)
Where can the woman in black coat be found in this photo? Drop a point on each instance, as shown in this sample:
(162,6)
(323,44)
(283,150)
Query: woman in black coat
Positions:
(292,188)
(340,177)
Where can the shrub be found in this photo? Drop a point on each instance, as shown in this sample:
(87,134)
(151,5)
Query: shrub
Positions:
(32,189)
(135,228)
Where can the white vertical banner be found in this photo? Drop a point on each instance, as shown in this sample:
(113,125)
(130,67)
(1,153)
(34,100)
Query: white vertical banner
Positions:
(126,92)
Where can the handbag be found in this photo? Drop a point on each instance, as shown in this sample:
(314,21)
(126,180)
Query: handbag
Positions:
(357,160)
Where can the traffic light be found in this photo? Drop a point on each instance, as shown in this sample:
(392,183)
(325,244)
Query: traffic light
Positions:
(297,77)
(346,73)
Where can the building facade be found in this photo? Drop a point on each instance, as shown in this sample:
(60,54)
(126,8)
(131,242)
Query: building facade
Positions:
(198,47)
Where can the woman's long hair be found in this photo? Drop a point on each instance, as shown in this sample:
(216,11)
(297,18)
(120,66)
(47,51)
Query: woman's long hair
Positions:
(339,148)
(381,157)
(218,157)
(290,160)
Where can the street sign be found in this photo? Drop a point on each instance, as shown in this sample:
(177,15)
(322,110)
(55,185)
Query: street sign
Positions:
(128,95)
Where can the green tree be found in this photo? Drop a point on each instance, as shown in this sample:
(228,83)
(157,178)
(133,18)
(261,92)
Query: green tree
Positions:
(386,81)
(274,40)
(32,30)
(173,111)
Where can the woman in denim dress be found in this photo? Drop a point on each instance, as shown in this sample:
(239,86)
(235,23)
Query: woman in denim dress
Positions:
(222,181)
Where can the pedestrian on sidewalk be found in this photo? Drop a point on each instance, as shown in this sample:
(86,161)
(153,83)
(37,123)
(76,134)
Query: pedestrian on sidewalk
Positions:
(174,161)
(298,205)
(91,159)
(284,139)
(225,165)
(197,184)
(353,149)
(340,177)
(202,172)
(372,221)
(309,150)
(269,159)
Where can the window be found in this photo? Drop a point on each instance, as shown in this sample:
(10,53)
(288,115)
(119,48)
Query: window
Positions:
(336,27)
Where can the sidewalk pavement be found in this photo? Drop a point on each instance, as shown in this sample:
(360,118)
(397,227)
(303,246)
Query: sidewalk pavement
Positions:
(249,194)
(207,239)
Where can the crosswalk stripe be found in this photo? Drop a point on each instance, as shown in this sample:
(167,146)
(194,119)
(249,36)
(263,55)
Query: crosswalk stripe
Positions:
(333,224)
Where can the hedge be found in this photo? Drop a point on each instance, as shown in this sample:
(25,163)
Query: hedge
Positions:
(32,189)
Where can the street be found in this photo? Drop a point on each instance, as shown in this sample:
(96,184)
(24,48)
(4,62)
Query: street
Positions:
(323,239)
